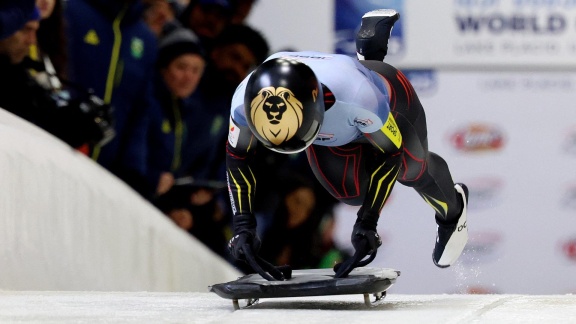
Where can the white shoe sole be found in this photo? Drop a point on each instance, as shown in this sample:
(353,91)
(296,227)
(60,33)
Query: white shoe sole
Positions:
(380,13)
(377,13)
(459,238)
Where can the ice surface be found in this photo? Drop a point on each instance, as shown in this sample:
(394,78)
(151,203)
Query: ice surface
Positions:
(149,307)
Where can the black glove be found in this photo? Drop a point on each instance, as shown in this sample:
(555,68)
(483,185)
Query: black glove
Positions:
(366,241)
(244,240)
(245,245)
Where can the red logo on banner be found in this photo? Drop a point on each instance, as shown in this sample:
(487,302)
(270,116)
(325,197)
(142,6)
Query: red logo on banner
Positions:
(569,249)
(477,137)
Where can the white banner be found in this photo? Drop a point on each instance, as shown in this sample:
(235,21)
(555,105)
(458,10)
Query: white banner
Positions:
(497,33)
(511,137)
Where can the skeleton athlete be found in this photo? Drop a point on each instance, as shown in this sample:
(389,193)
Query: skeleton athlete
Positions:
(362,128)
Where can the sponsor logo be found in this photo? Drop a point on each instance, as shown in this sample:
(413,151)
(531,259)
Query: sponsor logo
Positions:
(137,48)
(509,83)
(424,81)
(522,17)
(277,114)
(392,131)
(233,133)
(299,57)
(498,23)
(232,204)
(363,122)
(569,249)
(477,137)
(514,30)
(485,192)
(482,247)
(91,38)
(325,138)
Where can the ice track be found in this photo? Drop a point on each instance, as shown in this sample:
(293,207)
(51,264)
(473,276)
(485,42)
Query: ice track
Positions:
(148,307)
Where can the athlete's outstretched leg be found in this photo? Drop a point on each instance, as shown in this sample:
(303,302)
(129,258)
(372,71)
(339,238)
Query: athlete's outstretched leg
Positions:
(436,187)
(425,171)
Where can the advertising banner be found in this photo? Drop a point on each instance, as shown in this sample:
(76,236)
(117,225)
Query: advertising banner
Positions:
(514,34)
(511,137)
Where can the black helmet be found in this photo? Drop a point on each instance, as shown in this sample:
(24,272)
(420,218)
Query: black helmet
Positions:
(284,105)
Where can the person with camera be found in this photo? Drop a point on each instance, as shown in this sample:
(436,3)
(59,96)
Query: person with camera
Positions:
(76,120)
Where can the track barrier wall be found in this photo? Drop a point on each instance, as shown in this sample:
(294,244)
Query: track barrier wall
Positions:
(68,224)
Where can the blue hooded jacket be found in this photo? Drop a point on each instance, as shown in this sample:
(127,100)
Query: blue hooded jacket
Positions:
(112,52)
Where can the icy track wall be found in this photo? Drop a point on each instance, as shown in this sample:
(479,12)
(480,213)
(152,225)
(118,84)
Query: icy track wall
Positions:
(67,224)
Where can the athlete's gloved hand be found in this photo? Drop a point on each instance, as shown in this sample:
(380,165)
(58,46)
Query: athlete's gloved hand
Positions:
(245,245)
(366,241)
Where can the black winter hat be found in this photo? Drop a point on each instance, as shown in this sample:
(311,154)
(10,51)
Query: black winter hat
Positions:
(178,42)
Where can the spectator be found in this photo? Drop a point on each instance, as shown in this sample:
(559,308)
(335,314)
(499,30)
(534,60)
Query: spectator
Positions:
(207,19)
(113,52)
(158,15)
(50,50)
(193,207)
(179,141)
(293,237)
(329,254)
(23,96)
(236,51)
(242,9)
(13,15)
(173,121)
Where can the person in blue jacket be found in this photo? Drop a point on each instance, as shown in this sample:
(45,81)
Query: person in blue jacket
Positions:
(178,132)
(112,52)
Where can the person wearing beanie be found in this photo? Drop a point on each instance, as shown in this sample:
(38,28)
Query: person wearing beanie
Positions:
(179,66)
(15,46)
(14,14)
(177,138)
(207,18)
(178,42)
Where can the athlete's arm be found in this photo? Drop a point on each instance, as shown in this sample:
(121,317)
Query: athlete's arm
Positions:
(241,181)
(383,169)
(245,243)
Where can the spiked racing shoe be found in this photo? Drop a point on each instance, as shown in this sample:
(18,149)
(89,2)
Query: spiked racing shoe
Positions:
(372,38)
(451,239)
